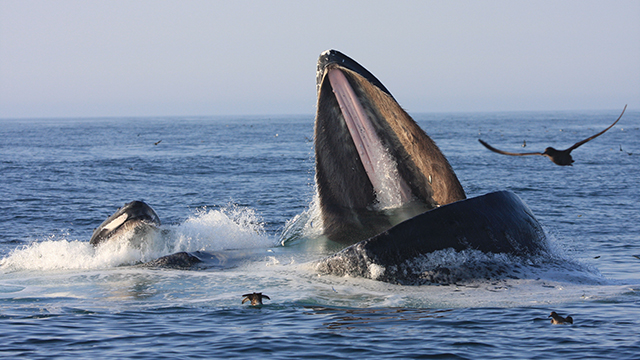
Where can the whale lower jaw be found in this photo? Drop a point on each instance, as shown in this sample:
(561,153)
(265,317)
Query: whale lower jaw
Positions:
(495,223)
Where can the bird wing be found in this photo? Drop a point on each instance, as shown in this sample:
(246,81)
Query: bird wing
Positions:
(505,152)
(598,134)
(266,297)
(245,300)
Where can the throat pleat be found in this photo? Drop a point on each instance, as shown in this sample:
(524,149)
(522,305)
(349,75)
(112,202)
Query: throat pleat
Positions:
(391,190)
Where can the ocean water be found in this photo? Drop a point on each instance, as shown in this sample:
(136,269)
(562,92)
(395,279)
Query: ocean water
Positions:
(246,184)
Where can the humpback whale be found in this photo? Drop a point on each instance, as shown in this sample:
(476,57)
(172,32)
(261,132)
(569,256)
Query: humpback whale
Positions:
(137,219)
(386,189)
(135,216)
(386,193)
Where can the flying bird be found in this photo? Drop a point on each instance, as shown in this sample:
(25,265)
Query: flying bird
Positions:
(559,157)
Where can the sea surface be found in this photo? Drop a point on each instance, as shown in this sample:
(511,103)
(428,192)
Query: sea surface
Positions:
(247,184)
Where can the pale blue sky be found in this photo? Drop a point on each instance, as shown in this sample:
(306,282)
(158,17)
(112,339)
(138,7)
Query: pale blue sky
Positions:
(157,58)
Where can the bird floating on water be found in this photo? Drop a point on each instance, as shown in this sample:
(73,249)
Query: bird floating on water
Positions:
(559,157)
(559,320)
(255,298)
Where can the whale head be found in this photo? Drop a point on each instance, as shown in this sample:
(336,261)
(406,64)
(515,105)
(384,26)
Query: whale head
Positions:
(134,216)
(375,167)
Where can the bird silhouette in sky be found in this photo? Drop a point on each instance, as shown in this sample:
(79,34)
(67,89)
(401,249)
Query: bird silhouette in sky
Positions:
(559,157)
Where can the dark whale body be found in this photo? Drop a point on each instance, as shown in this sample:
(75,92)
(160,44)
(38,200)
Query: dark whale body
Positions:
(497,222)
(438,217)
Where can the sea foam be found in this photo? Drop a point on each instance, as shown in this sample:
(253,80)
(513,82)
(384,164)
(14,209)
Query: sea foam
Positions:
(207,230)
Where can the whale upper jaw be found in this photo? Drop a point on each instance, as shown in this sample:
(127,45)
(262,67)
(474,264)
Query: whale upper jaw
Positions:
(331,57)
(375,167)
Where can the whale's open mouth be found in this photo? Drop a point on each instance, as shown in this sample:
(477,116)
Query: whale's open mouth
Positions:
(391,190)
(375,167)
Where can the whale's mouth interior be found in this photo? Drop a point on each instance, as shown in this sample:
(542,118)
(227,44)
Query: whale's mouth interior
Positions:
(391,190)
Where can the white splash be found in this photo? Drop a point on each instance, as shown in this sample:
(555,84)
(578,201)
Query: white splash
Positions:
(375,271)
(304,226)
(207,230)
(215,230)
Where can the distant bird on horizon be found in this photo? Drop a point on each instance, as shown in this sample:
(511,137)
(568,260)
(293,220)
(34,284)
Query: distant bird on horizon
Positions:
(559,320)
(255,298)
(628,153)
(559,157)
(156,143)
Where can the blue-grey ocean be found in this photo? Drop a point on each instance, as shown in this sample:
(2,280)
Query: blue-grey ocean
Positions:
(247,184)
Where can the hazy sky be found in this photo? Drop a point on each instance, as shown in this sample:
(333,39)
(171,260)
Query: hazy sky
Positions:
(138,58)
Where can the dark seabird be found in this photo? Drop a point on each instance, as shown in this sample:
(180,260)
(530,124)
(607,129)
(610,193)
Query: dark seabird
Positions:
(559,320)
(559,157)
(255,298)
(628,153)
